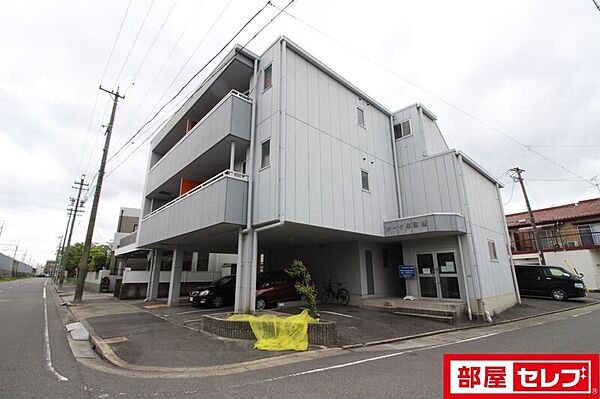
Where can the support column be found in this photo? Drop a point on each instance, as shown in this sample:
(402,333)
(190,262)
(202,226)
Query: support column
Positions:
(175,281)
(232,156)
(195,261)
(154,277)
(121,266)
(244,292)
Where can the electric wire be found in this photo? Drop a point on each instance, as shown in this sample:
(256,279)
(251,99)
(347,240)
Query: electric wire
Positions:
(191,79)
(197,73)
(112,50)
(137,35)
(438,97)
(164,22)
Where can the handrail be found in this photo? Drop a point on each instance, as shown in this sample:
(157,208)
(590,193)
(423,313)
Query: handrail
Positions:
(232,93)
(226,173)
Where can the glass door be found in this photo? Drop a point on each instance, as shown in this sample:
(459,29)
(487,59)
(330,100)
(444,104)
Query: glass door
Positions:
(447,274)
(426,273)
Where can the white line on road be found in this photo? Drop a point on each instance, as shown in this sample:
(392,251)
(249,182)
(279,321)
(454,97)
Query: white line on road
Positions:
(339,314)
(47,340)
(581,314)
(371,359)
(193,311)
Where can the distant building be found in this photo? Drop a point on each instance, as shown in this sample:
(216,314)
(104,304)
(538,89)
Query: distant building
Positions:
(569,236)
(10,266)
(49,267)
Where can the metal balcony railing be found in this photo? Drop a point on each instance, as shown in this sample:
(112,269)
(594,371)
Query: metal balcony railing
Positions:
(128,239)
(558,241)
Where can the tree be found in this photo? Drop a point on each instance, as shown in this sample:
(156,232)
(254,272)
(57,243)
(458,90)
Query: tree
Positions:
(97,260)
(304,285)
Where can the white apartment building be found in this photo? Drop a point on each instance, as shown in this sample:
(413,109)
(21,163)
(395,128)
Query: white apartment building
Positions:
(276,157)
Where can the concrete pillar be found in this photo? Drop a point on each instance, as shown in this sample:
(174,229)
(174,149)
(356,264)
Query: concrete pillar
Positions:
(195,261)
(175,281)
(245,292)
(232,156)
(121,264)
(154,277)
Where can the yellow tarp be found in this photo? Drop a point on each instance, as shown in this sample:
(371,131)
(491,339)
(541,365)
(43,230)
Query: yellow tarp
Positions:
(279,333)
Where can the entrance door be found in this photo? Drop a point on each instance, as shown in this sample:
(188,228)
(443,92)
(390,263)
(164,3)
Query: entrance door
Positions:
(427,279)
(447,274)
(438,275)
(369,264)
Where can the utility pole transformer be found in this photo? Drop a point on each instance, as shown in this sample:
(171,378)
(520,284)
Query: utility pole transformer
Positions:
(83,265)
(65,258)
(536,238)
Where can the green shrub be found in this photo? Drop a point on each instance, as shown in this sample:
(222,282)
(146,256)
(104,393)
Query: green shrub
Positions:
(304,285)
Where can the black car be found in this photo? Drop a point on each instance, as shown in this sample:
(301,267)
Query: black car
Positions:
(219,293)
(551,281)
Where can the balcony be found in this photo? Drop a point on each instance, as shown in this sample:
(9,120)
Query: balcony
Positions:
(216,206)
(550,241)
(205,149)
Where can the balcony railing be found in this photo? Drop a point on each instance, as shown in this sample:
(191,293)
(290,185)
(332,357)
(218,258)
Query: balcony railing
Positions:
(229,119)
(128,239)
(218,204)
(558,241)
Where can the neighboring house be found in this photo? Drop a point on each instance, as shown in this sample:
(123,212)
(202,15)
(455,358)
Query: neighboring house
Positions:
(10,266)
(569,236)
(276,157)
(49,267)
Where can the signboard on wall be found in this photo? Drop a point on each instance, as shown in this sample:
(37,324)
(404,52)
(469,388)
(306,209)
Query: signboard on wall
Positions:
(407,271)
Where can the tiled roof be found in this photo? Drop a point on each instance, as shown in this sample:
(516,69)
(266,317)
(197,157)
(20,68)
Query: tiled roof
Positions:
(579,210)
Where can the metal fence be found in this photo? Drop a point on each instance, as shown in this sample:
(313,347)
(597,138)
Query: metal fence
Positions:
(557,241)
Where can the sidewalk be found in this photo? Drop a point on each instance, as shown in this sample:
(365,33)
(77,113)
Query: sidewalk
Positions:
(143,336)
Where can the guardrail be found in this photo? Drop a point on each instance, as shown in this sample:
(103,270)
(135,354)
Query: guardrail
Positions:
(226,173)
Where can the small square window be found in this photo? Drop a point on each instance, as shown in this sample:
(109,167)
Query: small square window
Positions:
(360,114)
(268,78)
(493,253)
(265,159)
(364,175)
(402,130)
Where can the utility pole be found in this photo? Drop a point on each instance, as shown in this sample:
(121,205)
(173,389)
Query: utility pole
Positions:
(83,266)
(62,242)
(2,228)
(58,249)
(594,179)
(538,246)
(65,258)
(15,264)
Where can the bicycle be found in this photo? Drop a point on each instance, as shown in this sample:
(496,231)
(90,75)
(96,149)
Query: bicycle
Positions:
(341,295)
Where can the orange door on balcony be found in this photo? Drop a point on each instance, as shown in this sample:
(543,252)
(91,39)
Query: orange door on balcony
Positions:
(186,185)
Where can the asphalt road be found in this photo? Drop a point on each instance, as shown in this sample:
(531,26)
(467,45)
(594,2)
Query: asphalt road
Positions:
(403,370)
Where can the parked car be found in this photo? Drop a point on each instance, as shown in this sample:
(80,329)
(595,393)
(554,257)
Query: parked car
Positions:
(551,281)
(219,293)
(272,287)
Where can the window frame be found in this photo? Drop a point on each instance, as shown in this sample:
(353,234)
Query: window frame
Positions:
(402,135)
(362,112)
(366,172)
(493,251)
(270,68)
(262,157)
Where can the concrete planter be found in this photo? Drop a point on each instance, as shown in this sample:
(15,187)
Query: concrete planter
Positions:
(322,333)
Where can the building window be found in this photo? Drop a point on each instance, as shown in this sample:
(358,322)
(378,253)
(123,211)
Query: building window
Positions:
(402,130)
(364,175)
(492,249)
(265,159)
(360,114)
(268,78)
(135,226)
(244,167)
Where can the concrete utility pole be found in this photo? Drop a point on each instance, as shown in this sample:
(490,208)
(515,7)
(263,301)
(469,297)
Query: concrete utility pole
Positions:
(83,265)
(65,258)
(62,242)
(15,265)
(536,239)
(2,228)
(58,249)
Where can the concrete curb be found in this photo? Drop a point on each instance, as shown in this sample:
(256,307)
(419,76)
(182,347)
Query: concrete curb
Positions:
(104,350)
(446,330)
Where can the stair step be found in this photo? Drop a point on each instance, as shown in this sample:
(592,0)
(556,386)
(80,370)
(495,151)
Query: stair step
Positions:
(447,319)
(427,311)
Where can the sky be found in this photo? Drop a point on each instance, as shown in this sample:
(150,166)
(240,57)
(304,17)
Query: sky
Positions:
(513,83)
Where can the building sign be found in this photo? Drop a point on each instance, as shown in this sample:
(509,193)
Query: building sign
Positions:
(475,376)
(429,223)
(406,271)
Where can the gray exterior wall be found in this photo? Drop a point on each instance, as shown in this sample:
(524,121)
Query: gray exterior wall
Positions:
(326,149)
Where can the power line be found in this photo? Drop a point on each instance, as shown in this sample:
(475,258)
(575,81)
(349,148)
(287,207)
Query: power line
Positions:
(137,35)
(112,50)
(190,80)
(566,145)
(164,22)
(439,98)
(175,78)
(596,4)
(216,71)
(512,191)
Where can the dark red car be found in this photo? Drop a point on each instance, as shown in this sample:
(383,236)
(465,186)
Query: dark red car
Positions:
(274,287)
